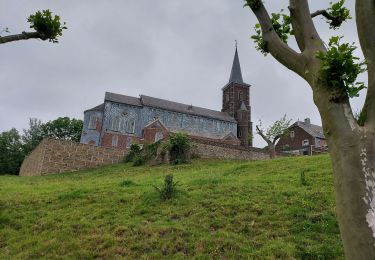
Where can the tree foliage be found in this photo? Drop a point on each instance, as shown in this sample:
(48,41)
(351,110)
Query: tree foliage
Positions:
(178,145)
(279,128)
(281,23)
(50,27)
(340,69)
(11,152)
(14,147)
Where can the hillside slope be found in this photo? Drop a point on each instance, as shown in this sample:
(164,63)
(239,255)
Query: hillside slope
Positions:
(224,209)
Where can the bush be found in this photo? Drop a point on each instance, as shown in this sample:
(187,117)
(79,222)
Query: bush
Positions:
(139,160)
(178,146)
(135,150)
(169,189)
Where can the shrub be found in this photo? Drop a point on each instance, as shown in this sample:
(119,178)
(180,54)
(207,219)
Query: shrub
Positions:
(178,146)
(169,189)
(139,160)
(135,150)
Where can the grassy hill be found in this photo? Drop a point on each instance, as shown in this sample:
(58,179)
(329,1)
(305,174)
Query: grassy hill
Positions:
(224,209)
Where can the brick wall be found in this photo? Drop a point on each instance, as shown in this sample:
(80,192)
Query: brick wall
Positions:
(56,156)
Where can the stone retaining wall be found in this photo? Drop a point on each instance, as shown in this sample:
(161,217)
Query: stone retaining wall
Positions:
(205,148)
(56,156)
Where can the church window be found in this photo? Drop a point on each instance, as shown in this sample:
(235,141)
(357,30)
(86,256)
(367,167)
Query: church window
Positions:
(131,126)
(158,136)
(227,97)
(129,142)
(92,122)
(116,124)
(114,140)
(240,96)
(239,133)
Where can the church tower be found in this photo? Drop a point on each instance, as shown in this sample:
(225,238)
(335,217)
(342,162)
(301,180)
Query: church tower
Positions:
(236,102)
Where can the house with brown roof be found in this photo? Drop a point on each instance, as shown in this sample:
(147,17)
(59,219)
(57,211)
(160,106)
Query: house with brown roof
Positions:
(303,138)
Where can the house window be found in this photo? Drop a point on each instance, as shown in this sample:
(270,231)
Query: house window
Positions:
(92,122)
(116,124)
(291,134)
(115,140)
(305,142)
(158,136)
(131,126)
(129,142)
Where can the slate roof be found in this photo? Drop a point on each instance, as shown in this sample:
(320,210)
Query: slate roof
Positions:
(185,109)
(122,99)
(313,130)
(236,74)
(164,104)
(97,108)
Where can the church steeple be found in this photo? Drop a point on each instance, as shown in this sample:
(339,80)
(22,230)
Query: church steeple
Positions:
(236,74)
(236,102)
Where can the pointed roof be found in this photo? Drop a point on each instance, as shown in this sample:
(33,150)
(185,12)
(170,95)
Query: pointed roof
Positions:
(236,74)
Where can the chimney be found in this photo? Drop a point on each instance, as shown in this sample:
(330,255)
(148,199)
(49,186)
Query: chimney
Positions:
(307,121)
(190,107)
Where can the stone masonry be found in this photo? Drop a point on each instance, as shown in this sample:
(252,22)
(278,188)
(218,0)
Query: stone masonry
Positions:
(57,156)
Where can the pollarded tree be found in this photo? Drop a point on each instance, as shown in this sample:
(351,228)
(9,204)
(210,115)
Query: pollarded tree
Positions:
(46,26)
(274,133)
(331,71)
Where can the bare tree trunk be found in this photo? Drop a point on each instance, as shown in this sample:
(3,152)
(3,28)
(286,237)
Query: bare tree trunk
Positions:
(272,151)
(354,181)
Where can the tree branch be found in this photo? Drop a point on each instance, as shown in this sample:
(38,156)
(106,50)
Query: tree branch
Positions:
(21,36)
(323,13)
(306,35)
(278,49)
(260,132)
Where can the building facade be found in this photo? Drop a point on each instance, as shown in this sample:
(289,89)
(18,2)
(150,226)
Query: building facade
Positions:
(303,138)
(123,120)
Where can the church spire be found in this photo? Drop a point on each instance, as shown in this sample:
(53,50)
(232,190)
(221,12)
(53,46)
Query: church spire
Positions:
(236,74)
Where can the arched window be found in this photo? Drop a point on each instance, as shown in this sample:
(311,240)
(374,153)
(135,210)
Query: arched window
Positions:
(116,124)
(129,142)
(158,136)
(114,140)
(92,122)
(131,126)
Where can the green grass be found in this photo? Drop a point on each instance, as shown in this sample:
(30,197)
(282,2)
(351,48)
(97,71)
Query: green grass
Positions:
(223,209)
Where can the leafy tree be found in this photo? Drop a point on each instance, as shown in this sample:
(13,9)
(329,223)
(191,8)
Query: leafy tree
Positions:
(33,135)
(11,152)
(274,133)
(331,71)
(46,26)
(63,128)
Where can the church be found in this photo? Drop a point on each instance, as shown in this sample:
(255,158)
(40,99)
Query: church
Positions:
(122,120)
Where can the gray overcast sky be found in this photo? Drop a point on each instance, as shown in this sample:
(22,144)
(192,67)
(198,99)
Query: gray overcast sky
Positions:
(180,50)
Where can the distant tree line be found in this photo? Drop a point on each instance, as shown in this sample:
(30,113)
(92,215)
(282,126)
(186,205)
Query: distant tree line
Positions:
(15,146)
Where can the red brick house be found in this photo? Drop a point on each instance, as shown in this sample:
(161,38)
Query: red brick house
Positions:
(303,138)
